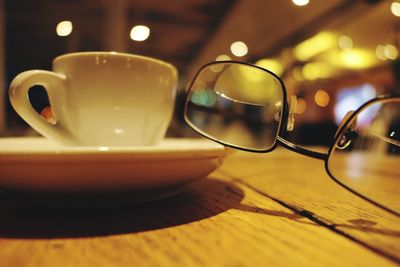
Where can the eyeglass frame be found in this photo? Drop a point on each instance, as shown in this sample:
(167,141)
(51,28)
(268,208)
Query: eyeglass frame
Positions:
(283,122)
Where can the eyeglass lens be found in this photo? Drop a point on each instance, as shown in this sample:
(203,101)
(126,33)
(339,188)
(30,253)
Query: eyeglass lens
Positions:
(242,106)
(365,157)
(236,104)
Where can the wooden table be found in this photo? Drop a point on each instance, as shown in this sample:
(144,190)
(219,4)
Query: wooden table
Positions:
(278,209)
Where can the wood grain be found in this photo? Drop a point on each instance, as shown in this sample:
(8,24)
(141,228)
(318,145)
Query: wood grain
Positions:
(302,184)
(218,221)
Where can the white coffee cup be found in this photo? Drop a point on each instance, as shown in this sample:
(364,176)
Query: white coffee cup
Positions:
(101,99)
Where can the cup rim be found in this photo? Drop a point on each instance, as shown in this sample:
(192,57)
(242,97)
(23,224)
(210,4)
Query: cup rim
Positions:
(113,53)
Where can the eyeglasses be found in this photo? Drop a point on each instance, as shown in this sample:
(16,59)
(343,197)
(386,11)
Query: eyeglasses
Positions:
(245,107)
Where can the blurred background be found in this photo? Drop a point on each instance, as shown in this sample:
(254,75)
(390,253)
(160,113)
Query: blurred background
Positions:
(333,55)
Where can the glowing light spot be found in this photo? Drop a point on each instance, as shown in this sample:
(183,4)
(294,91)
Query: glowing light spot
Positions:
(271,64)
(345,42)
(140,33)
(321,98)
(119,131)
(223,58)
(395,8)
(301,106)
(104,148)
(219,67)
(252,75)
(354,58)
(385,52)
(239,49)
(317,44)
(64,28)
(352,98)
(301,2)
(380,52)
(367,92)
(391,51)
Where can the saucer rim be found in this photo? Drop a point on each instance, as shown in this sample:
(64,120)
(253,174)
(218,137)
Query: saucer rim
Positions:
(173,149)
(136,173)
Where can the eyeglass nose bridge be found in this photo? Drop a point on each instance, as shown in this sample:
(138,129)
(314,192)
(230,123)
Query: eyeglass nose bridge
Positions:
(349,134)
(344,121)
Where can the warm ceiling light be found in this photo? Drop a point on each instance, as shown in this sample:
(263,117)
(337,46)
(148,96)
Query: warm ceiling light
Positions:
(317,44)
(395,8)
(64,28)
(357,59)
(353,59)
(239,49)
(301,2)
(140,33)
(321,98)
(345,42)
(271,64)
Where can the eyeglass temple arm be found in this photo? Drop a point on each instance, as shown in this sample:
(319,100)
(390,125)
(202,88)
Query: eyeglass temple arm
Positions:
(378,135)
(289,127)
(384,138)
(295,148)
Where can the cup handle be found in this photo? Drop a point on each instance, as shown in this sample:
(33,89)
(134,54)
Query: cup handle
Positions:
(54,85)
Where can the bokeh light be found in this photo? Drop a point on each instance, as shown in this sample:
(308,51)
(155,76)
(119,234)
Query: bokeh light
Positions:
(352,98)
(353,59)
(395,8)
(64,28)
(271,64)
(239,49)
(385,52)
(391,52)
(301,106)
(345,42)
(140,33)
(223,58)
(301,2)
(321,42)
(321,98)
(380,52)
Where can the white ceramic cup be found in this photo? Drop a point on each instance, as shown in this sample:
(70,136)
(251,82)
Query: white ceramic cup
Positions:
(101,99)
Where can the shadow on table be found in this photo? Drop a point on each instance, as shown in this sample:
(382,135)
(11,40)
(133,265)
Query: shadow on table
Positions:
(203,199)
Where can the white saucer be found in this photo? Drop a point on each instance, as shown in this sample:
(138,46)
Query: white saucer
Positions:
(39,167)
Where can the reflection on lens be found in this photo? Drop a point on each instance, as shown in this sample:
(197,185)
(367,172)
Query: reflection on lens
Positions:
(236,104)
(366,155)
